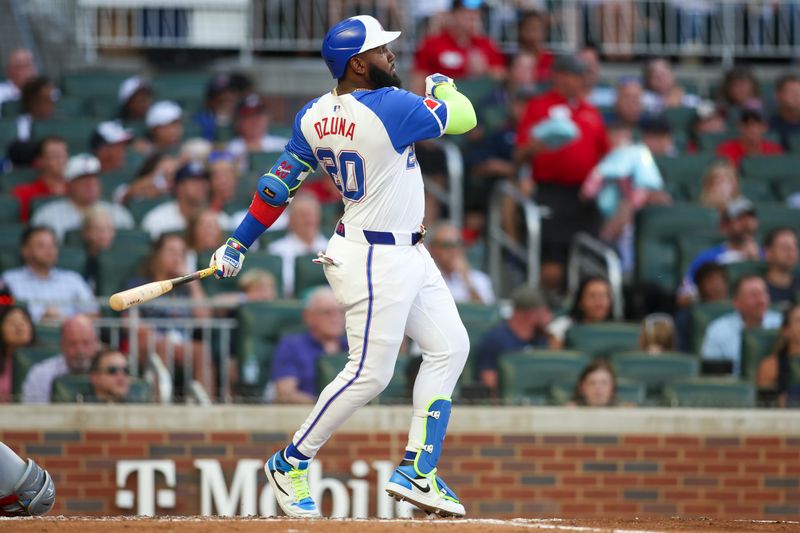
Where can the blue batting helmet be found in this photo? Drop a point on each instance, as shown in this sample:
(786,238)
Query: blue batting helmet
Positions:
(350,37)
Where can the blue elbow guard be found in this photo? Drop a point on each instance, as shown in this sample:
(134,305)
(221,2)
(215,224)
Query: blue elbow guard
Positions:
(435,430)
(277,187)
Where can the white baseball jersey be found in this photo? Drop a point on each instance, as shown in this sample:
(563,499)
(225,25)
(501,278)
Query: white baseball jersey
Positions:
(365,140)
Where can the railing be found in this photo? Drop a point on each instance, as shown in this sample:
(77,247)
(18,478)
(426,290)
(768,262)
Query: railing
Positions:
(452,195)
(501,241)
(590,257)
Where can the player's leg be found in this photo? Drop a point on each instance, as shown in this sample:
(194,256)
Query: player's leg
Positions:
(435,325)
(375,286)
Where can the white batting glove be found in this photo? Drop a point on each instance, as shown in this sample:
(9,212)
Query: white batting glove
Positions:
(435,80)
(228,259)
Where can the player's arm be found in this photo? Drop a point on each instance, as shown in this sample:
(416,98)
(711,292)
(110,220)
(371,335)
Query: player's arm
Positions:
(460,114)
(26,489)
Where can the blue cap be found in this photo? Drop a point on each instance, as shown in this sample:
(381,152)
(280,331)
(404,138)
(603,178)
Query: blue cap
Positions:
(350,37)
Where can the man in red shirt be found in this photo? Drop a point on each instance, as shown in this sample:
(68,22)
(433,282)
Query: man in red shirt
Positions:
(752,128)
(559,172)
(50,157)
(461,50)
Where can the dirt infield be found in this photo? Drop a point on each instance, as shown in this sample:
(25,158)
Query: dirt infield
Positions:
(62,524)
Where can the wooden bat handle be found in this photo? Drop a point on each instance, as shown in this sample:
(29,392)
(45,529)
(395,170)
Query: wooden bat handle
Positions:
(144,293)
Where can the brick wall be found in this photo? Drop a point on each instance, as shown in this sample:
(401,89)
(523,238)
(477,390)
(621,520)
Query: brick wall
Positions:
(496,474)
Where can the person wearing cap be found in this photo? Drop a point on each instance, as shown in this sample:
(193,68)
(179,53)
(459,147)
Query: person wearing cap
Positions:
(83,193)
(751,141)
(560,168)
(50,159)
(220,106)
(252,127)
(739,225)
(164,125)
(525,328)
(656,134)
(20,67)
(191,196)
(461,50)
(109,143)
(135,97)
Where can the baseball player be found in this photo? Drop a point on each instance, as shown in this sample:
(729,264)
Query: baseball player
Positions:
(26,489)
(362,133)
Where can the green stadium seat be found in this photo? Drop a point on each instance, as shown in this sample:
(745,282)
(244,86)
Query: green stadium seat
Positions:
(756,345)
(115,270)
(8,130)
(307,275)
(331,213)
(628,392)
(9,109)
(24,359)
(710,392)
(15,177)
(179,85)
(655,371)
(758,191)
(9,209)
(794,144)
(89,84)
(261,162)
(10,237)
(772,216)
(658,229)
(76,389)
(688,168)
(48,334)
(679,118)
(478,315)
(526,377)
(268,237)
(690,245)
(255,260)
(102,107)
(785,187)
(109,181)
(76,131)
(70,106)
(125,238)
(745,268)
(140,207)
(770,167)
(477,89)
(702,315)
(72,258)
(602,339)
(708,142)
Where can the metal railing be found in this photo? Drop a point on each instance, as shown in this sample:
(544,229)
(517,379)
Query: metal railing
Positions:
(591,257)
(452,196)
(501,241)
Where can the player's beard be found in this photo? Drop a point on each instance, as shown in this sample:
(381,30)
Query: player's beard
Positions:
(381,78)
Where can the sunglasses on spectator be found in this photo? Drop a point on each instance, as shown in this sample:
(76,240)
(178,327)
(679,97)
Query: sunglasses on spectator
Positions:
(114,370)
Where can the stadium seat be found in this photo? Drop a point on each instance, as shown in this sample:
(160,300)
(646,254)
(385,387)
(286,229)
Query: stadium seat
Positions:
(115,270)
(102,106)
(9,209)
(307,275)
(772,216)
(10,237)
(72,258)
(331,213)
(769,167)
(708,142)
(691,244)
(526,377)
(686,169)
(268,237)
(786,187)
(109,181)
(178,85)
(76,131)
(24,359)
(90,84)
(655,371)
(75,389)
(744,268)
(628,392)
(477,319)
(124,238)
(702,315)
(794,144)
(8,130)
(710,392)
(255,260)
(139,208)
(602,339)
(658,229)
(679,118)
(48,334)
(70,106)
(477,89)
(15,177)
(756,345)
(9,109)
(261,162)
(758,191)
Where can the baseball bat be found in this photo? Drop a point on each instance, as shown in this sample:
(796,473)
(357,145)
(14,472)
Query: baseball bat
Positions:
(144,293)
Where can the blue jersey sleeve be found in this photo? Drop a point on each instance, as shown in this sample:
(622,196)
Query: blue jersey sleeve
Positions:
(298,145)
(407,117)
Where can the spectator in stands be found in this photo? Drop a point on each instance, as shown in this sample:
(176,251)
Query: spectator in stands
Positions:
(720,185)
(563,137)
(223,177)
(628,108)
(50,158)
(656,134)
(740,89)
(303,238)
(97,234)
(662,89)
(596,386)
(592,304)
(723,337)
(252,127)
(154,179)
(466,284)
(220,105)
(16,331)
(20,67)
(109,143)
(525,328)
(532,38)
(708,119)
(83,193)
(135,97)
(294,366)
(164,126)
(774,371)
(37,102)
(658,334)
(751,141)
(202,238)
(258,285)
(594,93)
(460,51)
(49,292)
(110,378)
(711,280)
(780,252)
(79,344)
(739,224)
(786,120)
(191,196)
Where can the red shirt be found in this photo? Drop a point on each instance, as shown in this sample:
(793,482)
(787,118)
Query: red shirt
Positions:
(443,54)
(734,150)
(544,65)
(571,163)
(26,192)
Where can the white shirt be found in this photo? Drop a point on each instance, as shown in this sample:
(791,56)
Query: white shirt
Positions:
(269,143)
(167,218)
(63,289)
(289,248)
(8,93)
(723,338)
(38,384)
(63,215)
(458,287)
